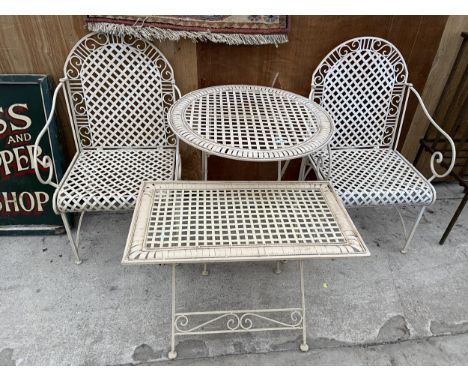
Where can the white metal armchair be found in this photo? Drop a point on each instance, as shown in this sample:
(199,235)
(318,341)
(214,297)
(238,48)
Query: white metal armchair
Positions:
(363,84)
(118,91)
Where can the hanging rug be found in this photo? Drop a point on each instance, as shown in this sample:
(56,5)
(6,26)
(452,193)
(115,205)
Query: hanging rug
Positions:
(233,30)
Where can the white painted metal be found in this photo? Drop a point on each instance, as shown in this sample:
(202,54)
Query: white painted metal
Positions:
(200,222)
(237,321)
(118,90)
(252,123)
(362,83)
(205,222)
(109,180)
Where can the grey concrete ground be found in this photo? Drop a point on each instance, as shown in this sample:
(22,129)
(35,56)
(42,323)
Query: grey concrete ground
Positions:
(383,310)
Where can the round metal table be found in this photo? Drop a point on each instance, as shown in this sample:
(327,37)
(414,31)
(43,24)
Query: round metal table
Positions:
(252,123)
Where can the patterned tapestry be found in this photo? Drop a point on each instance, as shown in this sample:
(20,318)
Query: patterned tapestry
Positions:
(235,30)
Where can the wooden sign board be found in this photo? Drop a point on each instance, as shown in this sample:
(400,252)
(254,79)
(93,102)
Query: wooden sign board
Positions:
(25,203)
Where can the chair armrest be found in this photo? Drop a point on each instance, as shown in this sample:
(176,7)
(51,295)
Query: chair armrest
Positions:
(436,156)
(46,161)
(177,91)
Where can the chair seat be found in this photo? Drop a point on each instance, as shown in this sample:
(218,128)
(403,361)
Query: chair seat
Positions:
(109,180)
(367,177)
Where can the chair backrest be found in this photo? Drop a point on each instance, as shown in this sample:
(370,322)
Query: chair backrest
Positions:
(119,90)
(362,84)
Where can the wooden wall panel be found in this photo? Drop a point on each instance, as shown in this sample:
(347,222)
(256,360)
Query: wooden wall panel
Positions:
(310,39)
(442,65)
(40,44)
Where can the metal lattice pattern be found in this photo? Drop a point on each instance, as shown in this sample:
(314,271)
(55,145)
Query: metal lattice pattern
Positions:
(237,217)
(120,89)
(239,221)
(250,122)
(109,180)
(361,84)
(377,177)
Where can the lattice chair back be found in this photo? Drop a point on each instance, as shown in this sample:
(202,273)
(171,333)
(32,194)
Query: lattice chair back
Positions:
(361,83)
(119,90)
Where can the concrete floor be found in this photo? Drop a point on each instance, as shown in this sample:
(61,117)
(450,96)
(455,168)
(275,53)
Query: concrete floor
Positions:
(386,309)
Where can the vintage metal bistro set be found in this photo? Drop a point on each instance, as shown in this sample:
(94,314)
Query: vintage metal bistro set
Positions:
(128,115)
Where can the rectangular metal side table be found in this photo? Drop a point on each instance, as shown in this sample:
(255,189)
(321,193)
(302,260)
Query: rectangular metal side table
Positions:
(207,222)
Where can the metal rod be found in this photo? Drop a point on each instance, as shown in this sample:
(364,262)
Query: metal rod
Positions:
(304,347)
(302,168)
(229,331)
(78,230)
(173,354)
(70,238)
(413,230)
(454,218)
(285,167)
(204,165)
(277,268)
(205,270)
(208,312)
(402,222)
(461,181)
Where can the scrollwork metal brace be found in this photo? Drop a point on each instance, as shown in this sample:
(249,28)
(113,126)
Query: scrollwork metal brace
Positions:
(237,321)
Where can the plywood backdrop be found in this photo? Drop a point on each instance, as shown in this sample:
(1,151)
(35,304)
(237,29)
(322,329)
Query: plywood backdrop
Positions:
(40,44)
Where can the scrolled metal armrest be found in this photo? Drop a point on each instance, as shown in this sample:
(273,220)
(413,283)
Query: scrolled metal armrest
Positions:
(437,157)
(177,91)
(46,161)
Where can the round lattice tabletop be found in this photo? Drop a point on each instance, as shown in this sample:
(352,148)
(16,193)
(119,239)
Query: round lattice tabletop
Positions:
(252,123)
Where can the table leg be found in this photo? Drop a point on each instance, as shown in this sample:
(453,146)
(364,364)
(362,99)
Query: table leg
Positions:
(284,168)
(329,162)
(277,268)
(237,321)
(304,347)
(205,165)
(205,178)
(173,354)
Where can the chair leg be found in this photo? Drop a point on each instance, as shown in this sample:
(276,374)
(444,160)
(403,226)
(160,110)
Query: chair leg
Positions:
(70,236)
(402,222)
(410,236)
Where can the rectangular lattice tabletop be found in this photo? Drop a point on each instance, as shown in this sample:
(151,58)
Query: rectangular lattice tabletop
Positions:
(193,222)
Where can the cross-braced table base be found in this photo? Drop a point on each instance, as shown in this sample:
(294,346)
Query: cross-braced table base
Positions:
(238,321)
(219,222)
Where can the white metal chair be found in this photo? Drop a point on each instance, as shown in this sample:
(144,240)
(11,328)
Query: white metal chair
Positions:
(118,91)
(363,84)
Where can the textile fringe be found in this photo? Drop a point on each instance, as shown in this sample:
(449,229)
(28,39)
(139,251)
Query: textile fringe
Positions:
(151,33)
